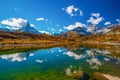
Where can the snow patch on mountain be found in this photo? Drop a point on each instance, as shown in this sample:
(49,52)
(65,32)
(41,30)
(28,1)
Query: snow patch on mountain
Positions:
(29,29)
(17,25)
(91,29)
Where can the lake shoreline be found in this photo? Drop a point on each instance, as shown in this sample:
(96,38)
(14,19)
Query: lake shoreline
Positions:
(35,46)
(55,44)
(107,43)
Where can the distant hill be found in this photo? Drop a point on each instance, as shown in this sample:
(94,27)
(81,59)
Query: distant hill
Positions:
(22,37)
(114,30)
(70,35)
(89,30)
(76,32)
(111,36)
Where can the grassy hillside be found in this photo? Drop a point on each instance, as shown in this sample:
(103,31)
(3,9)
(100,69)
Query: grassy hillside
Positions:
(26,38)
(18,38)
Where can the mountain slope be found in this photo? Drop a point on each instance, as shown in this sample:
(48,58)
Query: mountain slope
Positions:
(21,38)
(111,36)
(114,30)
(106,29)
(70,35)
(81,31)
(29,29)
(91,30)
(4,29)
(76,32)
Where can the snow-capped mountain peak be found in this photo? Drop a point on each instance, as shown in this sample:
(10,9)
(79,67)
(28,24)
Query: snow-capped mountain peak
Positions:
(26,28)
(29,29)
(91,29)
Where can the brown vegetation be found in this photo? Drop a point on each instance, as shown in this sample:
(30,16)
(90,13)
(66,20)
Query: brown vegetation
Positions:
(26,38)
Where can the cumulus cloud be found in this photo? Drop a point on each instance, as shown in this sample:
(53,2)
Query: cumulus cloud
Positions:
(60,30)
(118,20)
(39,61)
(44,32)
(97,15)
(40,19)
(70,9)
(95,18)
(107,23)
(43,19)
(16,57)
(13,22)
(71,54)
(75,25)
(52,29)
(94,62)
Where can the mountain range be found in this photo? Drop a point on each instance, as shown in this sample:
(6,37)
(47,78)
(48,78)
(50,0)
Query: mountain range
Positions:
(90,30)
(76,32)
(27,28)
(28,34)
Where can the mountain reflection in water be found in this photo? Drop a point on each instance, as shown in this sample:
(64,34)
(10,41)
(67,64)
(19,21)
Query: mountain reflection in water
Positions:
(57,62)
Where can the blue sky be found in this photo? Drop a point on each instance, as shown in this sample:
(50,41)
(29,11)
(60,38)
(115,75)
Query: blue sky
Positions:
(56,16)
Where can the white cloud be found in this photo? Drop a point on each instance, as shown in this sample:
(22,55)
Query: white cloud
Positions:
(94,62)
(13,22)
(31,54)
(97,15)
(43,19)
(70,9)
(32,25)
(40,19)
(59,50)
(44,32)
(60,30)
(52,29)
(39,61)
(71,54)
(16,57)
(107,23)
(118,20)
(95,18)
(75,25)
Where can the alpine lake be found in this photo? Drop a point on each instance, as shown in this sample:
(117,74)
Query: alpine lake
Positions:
(60,63)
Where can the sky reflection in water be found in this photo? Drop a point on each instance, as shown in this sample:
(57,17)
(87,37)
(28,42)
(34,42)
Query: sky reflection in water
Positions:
(60,60)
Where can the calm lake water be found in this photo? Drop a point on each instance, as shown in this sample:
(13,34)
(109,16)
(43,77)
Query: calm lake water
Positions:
(57,63)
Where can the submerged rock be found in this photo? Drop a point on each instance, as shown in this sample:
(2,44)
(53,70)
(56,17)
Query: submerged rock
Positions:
(78,74)
(99,76)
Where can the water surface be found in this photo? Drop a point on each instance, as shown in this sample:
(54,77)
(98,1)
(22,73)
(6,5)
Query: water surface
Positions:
(57,63)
